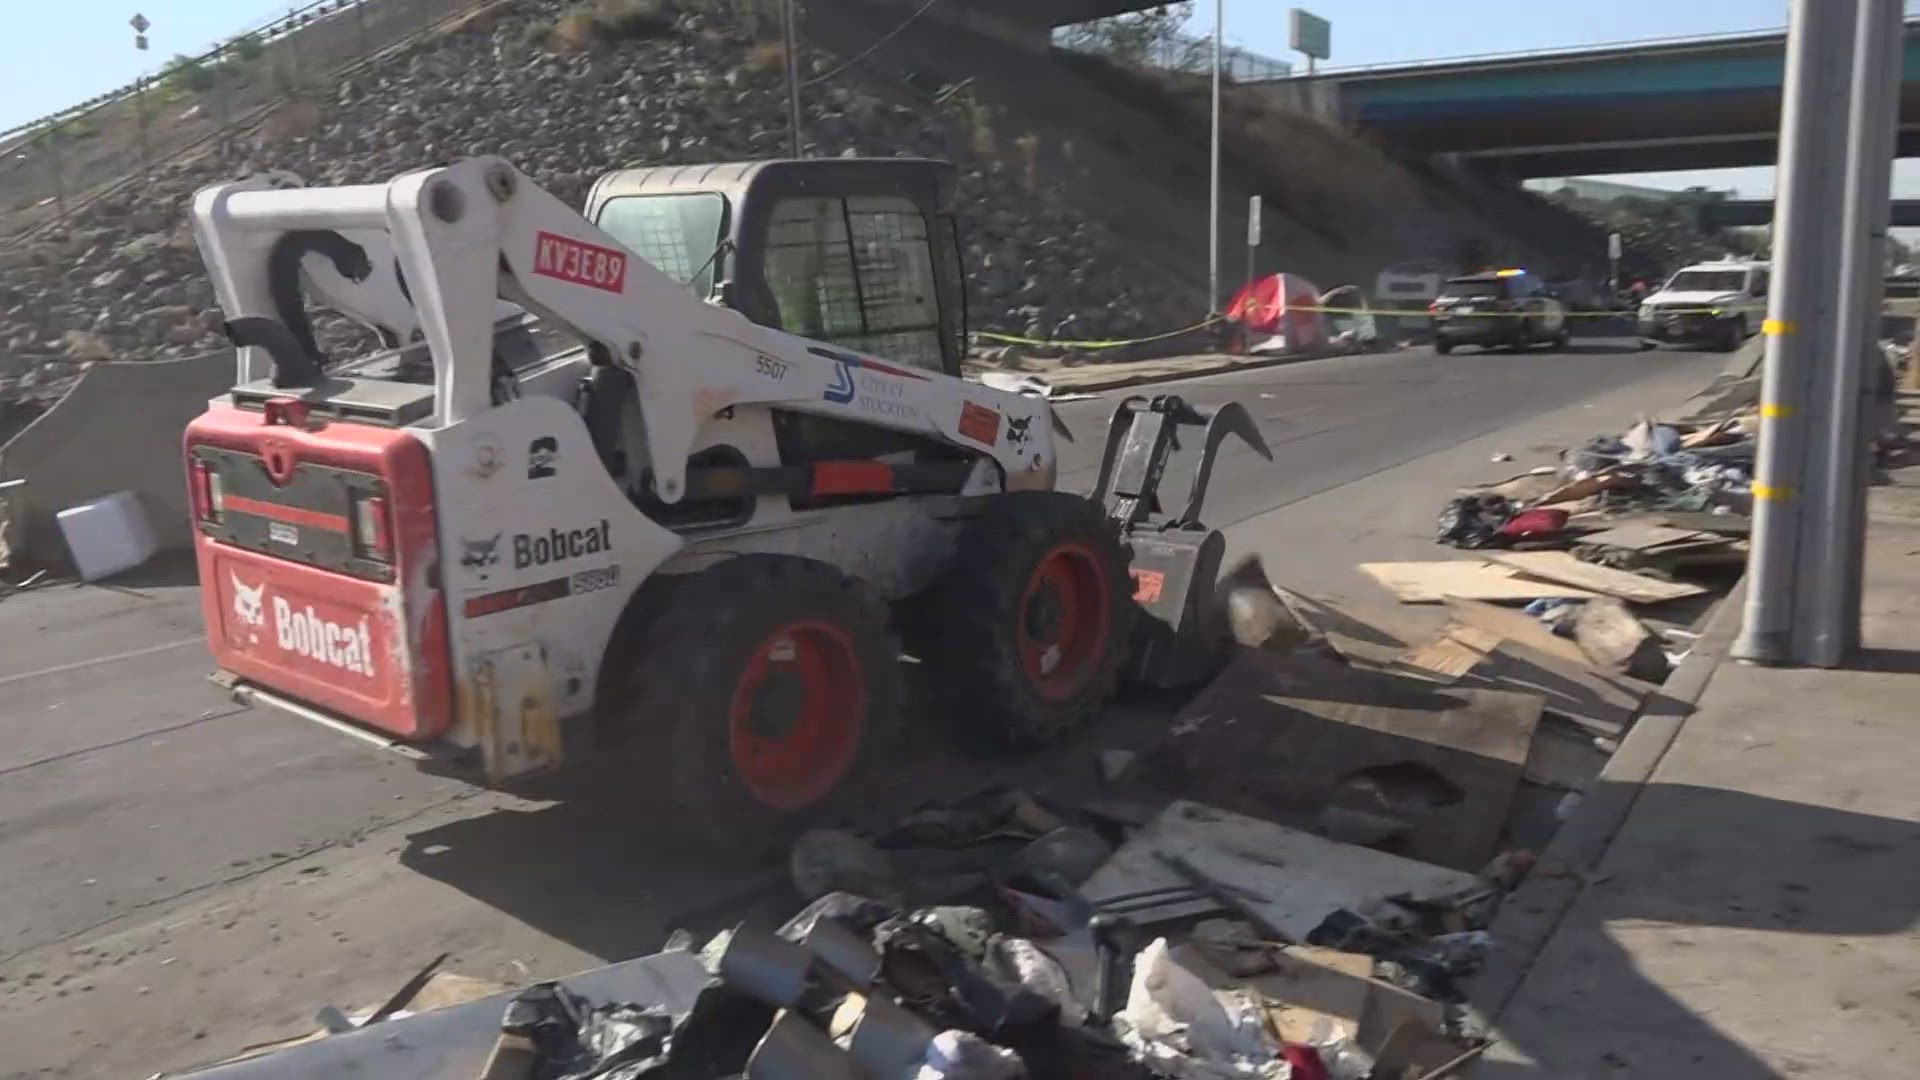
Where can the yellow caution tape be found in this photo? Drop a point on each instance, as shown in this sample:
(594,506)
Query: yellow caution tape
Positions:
(1769,327)
(1776,412)
(1772,494)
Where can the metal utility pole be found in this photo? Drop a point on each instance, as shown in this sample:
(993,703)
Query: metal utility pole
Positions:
(790,37)
(1809,478)
(1213,172)
(140,27)
(1845,401)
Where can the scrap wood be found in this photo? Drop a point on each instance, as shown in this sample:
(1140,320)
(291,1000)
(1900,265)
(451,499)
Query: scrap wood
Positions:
(440,990)
(1457,649)
(1644,536)
(1304,877)
(1430,582)
(1720,432)
(1515,626)
(1533,659)
(1560,567)
(1359,642)
(1601,703)
(1291,738)
(1317,995)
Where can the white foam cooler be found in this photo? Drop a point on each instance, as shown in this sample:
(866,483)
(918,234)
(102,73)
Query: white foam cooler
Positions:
(107,536)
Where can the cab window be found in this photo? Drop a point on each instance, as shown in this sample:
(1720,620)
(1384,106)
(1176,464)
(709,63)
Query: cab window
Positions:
(677,233)
(856,271)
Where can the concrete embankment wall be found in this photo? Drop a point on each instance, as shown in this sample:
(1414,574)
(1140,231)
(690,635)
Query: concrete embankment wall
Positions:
(118,428)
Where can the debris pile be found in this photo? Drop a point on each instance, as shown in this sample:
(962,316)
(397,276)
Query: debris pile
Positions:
(1198,944)
(1652,469)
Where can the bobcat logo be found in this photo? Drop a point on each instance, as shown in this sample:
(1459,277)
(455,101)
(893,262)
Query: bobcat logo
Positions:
(1017,429)
(480,554)
(247,605)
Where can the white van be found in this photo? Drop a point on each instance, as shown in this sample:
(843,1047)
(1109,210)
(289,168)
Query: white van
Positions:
(1408,287)
(1716,303)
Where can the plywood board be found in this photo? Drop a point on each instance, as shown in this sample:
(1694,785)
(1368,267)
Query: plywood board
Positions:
(1458,649)
(1359,642)
(1558,566)
(1728,525)
(1516,626)
(1430,582)
(1300,878)
(1286,739)
(1641,536)
(1603,704)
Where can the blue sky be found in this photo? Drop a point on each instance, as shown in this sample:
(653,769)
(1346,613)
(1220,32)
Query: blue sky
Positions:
(52,57)
(76,48)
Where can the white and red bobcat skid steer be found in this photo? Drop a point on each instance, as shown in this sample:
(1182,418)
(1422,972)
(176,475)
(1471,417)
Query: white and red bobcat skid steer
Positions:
(636,482)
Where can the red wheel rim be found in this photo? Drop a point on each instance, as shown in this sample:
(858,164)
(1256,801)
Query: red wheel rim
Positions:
(795,719)
(1065,617)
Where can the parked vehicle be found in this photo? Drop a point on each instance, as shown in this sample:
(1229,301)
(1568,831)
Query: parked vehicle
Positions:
(1511,308)
(1717,303)
(1408,287)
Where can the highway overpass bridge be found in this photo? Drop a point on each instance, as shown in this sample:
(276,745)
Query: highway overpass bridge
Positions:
(1695,103)
(1733,213)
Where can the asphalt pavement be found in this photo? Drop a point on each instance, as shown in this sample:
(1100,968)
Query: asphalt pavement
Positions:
(180,878)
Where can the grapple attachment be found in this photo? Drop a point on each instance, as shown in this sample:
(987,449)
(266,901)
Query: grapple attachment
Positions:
(1176,558)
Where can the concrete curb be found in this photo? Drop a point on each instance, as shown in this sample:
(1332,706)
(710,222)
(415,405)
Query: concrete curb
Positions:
(1530,916)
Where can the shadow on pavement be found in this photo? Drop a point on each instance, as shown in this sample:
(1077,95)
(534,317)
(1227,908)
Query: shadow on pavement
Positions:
(1792,882)
(1891,661)
(612,869)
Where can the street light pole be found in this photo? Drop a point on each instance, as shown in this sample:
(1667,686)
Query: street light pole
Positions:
(1844,400)
(1798,324)
(1803,315)
(1213,172)
(789,33)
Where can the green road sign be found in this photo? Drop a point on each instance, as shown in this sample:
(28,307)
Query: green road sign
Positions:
(1312,34)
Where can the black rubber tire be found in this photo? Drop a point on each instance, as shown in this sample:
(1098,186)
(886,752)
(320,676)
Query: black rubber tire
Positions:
(1736,336)
(676,681)
(1562,339)
(970,646)
(1443,347)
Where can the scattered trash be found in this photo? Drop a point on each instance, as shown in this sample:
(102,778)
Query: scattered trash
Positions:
(1503,457)
(1182,1028)
(1556,612)
(1474,521)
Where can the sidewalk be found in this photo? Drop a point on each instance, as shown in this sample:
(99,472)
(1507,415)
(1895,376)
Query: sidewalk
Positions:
(1755,916)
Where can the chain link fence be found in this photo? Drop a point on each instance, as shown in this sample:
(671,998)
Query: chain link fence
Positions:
(290,64)
(1193,56)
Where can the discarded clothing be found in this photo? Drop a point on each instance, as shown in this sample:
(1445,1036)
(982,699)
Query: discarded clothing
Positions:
(1536,524)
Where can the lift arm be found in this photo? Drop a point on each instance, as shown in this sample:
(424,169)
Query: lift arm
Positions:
(435,252)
